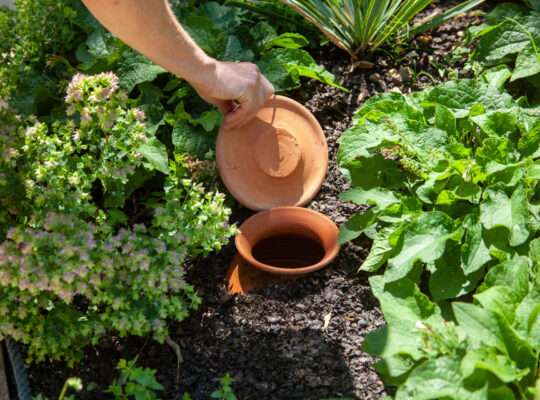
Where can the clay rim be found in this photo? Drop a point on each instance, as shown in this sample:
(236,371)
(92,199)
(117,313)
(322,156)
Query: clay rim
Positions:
(253,202)
(320,218)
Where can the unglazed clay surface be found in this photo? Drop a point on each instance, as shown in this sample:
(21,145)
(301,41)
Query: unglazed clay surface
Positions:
(289,221)
(279,158)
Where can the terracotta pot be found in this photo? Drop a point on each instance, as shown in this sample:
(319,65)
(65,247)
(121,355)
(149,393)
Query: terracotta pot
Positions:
(279,158)
(288,240)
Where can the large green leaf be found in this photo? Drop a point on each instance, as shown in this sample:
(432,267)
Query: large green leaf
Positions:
(155,154)
(513,273)
(508,38)
(440,378)
(372,172)
(527,62)
(486,328)
(207,35)
(403,301)
(490,359)
(474,252)
(447,280)
(498,209)
(300,61)
(397,343)
(424,240)
(381,197)
(500,299)
(497,122)
(381,249)
(362,139)
(134,68)
(355,226)
(192,140)
(528,318)
(459,96)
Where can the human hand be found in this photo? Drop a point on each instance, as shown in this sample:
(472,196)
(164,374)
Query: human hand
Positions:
(238,90)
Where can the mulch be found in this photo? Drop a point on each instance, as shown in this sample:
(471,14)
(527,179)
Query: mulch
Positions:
(274,341)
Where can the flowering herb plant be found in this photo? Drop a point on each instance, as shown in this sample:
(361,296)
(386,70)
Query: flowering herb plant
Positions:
(73,265)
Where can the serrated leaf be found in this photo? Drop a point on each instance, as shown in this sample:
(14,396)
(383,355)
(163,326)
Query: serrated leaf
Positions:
(527,62)
(155,154)
(424,240)
(498,209)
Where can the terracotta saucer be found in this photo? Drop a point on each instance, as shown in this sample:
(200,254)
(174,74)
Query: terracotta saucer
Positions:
(279,158)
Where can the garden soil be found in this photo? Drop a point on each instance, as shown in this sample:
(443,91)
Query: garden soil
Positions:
(293,340)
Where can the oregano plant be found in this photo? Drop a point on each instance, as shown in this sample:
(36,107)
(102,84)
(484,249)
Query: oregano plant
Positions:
(74,262)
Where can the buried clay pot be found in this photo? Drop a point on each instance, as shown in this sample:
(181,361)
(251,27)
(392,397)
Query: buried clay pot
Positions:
(288,241)
(279,158)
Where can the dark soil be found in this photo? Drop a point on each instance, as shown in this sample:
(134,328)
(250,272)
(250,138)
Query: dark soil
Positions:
(274,341)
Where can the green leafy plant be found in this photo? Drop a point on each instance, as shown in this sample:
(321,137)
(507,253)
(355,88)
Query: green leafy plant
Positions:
(451,177)
(225,392)
(36,68)
(135,382)
(510,36)
(482,350)
(73,265)
(360,27)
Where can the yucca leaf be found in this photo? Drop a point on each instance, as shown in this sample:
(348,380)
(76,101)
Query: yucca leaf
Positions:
(442,18)
(359,26)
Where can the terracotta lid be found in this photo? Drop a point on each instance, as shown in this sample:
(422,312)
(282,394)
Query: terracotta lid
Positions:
(279,158)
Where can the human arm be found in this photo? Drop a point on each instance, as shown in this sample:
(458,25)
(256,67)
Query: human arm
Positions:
(150,27)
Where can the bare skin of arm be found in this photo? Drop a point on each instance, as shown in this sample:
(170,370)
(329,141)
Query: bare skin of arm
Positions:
(150,27)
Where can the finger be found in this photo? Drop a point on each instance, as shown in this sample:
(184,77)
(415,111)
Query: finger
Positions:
(239,116)
(268,88)
(225,106)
